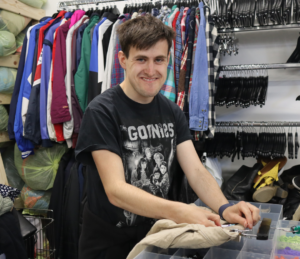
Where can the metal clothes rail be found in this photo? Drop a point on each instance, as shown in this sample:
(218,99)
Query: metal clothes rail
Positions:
(64,4)
(260,66)
(260,28)
(258,124)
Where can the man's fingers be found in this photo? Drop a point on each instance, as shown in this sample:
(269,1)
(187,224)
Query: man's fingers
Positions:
(209,223)
(215,218)
(238,219)
(255,213)
(247,213)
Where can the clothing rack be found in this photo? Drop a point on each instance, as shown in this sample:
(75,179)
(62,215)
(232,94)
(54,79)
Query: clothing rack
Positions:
(258,124)
(65,4)
(260,28)
(260,66)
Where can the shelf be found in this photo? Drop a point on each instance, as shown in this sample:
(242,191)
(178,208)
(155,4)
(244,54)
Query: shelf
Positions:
(258,123)
(4,137)
(18,7)
(5,98)
(259,66)
(10,61)
(260,28)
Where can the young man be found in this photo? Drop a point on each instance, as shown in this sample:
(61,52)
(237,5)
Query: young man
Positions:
(119,128)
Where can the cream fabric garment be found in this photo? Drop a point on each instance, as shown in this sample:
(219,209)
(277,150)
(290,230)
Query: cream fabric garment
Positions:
(101,72)
(166,233)
(110,57)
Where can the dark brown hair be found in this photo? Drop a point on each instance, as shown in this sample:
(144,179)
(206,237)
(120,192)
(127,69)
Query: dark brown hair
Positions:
(143,32)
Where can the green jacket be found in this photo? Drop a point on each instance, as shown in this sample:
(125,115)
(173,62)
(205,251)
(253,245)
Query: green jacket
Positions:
(81,78)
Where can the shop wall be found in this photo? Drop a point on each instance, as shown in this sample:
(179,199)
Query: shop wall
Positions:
(284,84)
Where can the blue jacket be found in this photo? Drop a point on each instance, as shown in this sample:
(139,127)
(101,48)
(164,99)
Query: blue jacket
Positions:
(25,145)
(199,97)
(45,75)
(15,95)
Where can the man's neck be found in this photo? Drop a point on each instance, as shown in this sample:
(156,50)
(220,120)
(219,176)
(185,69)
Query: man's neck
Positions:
(133,95)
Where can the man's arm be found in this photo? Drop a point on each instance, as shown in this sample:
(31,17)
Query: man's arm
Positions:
(135,200)
(207,189)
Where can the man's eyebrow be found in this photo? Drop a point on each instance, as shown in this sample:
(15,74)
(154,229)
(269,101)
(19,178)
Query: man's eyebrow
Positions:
(145,57)
(161,56)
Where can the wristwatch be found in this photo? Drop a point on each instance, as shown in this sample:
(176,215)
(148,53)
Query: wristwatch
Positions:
(222,208)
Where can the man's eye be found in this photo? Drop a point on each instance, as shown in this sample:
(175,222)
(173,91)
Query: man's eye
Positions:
(140,59)
(159,60)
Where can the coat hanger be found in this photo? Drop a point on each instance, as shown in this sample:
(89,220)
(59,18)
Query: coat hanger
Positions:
(296,144)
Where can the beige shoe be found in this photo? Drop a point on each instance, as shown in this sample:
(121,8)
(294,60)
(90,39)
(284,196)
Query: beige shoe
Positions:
(266,193)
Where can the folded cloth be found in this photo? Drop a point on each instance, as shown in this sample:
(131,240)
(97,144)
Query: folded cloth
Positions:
(6,205)
(7,191)
(167,234)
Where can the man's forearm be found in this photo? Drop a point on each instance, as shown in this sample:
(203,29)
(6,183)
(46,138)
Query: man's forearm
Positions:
(206,187)
(137,201)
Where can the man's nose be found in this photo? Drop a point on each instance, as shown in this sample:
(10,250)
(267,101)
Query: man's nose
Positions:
(150,69)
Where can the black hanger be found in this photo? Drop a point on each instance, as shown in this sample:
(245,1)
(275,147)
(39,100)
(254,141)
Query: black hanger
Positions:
(295,57)
(296,144)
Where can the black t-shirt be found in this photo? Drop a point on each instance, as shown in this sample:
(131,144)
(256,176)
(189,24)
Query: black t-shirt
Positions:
(145,137)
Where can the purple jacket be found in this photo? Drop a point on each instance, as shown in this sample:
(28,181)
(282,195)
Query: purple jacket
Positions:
(59,107)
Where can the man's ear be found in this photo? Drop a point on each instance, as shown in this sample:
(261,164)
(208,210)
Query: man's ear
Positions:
(122,59)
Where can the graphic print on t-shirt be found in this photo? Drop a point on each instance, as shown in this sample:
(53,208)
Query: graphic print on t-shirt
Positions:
(148,152)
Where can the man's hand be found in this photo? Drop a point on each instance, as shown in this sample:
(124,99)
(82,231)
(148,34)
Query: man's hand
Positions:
(243,213)
(195,215)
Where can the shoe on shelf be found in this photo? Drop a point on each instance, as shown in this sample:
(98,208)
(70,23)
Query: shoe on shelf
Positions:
(269,174)
(266,193)
(264,186)
(296,182)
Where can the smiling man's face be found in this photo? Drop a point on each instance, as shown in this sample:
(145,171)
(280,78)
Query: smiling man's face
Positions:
(146,71)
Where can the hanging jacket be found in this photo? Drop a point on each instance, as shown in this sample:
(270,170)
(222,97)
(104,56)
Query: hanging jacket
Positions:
(59,106)
(104,38)
(56,203)
(79,43)
(110,55)
(32,125)
(14,98)
(45,75)
(77,15)
(81,76)
(59,126)
(198,105)
(25,145)
(65,203)
(69,125)
(93,73)
(31,34)
(117,75)
(77,112)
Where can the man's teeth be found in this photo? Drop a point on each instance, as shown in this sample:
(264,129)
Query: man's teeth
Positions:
(149,79)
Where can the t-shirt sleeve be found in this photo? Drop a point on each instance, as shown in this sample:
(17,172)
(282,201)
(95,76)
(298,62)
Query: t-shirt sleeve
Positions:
(182,127)
(97,132)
